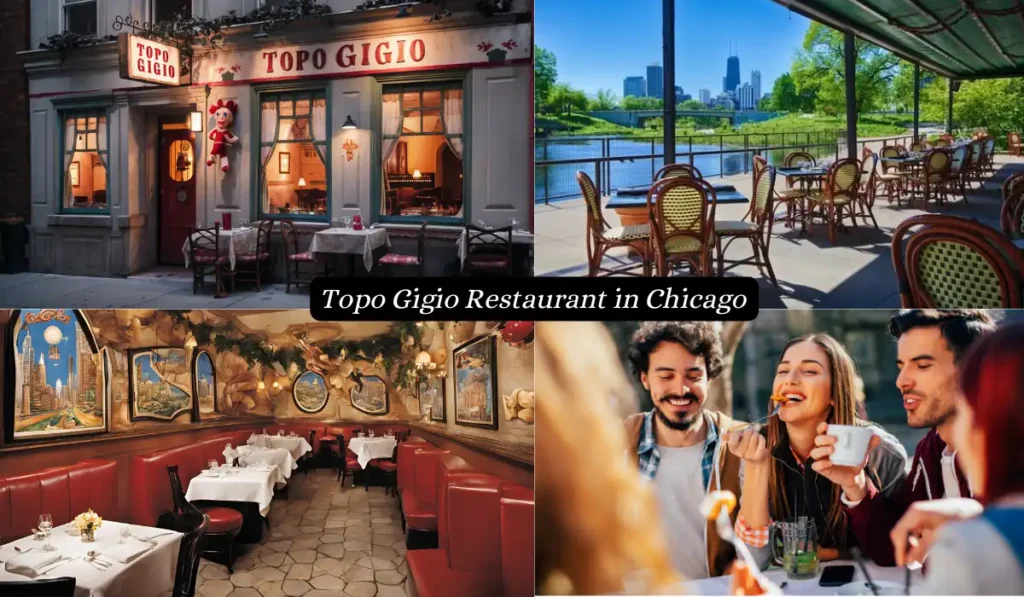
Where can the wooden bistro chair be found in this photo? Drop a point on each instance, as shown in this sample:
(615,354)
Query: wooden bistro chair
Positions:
(257,262)
(392,260)
(955,180)
(348,464)
(682,215)
(676,170)
(1010,218)
(889,177)
(204,253)
(387,471)
(988,164)
(601,236)
(488,251)
(796,189)
(838,197)
(1016,228)
(941,143)
(931,181)
(63,586)
(868,188)
(1013,185)
(224,524)
(1013,143)
(189,552)
(755,230)
(951,261)
(917,147)
(977,170)
(293,259)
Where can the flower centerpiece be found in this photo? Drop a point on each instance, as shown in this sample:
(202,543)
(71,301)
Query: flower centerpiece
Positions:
(87,523)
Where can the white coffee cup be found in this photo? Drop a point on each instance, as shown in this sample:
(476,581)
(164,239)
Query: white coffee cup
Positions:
(851,445)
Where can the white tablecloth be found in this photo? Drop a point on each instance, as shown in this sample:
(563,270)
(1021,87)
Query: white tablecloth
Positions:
(152,573)
(237,485)
(236,241)
(355,242)
(368,448)
(296,446)
(719,585)
(278,457)
(519,237)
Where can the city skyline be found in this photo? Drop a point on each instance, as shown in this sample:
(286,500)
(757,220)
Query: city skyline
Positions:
(744,95)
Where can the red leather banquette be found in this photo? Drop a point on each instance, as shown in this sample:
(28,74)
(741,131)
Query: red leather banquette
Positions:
(62,492)
(517,544)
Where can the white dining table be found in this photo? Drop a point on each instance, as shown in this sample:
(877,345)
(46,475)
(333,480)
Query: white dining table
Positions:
(237,484)
(279,457)
(296,445)
(237,241)
(519,237)
(149,574)
(350,242)
(368,448)
(888,579)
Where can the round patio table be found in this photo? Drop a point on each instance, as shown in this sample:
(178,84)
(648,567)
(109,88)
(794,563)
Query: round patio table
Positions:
(630,203)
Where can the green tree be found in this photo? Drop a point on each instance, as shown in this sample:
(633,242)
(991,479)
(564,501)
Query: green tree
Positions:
(641,103)
(545,74)
(786,98)
(563,99)
(995,104)
(604,100)
(700,121)
(819,68)
(934,93)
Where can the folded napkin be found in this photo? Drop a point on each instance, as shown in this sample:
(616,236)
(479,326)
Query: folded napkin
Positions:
(127,552)
(31,563)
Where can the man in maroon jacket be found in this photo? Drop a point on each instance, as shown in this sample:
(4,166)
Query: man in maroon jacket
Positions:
(929,345)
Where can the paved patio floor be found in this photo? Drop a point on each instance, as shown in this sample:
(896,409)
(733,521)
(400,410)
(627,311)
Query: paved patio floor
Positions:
(856,272)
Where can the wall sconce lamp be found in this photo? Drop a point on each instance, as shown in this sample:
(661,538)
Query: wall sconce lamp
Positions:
(416,174)
(195,121)
(261,385)
(349,123)
(190,341)
(423,361)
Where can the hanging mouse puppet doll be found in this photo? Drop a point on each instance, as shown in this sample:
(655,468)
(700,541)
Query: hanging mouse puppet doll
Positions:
(224,115)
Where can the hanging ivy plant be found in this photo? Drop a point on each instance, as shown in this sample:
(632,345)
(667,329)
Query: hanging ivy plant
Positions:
(70,40)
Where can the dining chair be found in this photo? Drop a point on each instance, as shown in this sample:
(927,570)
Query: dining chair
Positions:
(755,230)
(204,254)
(1009,221)
(978,160)
(348,464)
(224,523)
(954,262)
(293,259)
(931,181)
(189,553)
(601,236)
(917,147)
(63,586)
(955,181)
(889,177)
(257,261)
(682,215)
(838,195)
(1013,143)
(796,189)
(309,460)
(941,143)
(488,251)
(391,260)
(990,151)
(1013,185)
(387,468)
(676,170)
(868,188)
(1016,228)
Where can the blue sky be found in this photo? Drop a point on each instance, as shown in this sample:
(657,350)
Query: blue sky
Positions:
(55,369)
(599,42)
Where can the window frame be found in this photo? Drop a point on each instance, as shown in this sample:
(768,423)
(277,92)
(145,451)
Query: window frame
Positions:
(78,112)
(439,81)
(258,96)
(152,9)
(64,4)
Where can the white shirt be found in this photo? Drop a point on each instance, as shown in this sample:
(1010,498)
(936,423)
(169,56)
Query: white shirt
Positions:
(950,486)
(679,485)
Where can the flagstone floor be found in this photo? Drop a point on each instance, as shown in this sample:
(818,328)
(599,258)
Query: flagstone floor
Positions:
(324,540)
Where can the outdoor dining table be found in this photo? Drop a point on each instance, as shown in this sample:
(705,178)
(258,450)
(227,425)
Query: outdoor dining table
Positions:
(151,555)
(352,242)
(888,580)
(297,446)
(630,203)
(278,457)
(237,241)
(369,448)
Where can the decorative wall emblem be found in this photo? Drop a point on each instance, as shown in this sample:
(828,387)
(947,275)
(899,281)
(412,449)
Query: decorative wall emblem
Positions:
(350,147)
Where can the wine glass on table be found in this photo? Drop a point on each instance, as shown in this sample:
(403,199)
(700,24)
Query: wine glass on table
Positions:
(125,532)
(45,524)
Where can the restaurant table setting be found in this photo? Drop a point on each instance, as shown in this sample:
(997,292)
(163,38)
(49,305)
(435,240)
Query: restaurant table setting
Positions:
(237,241)
(119,560)
(296,445)
(254,484)
(277,457)
(344,240)
(887,581)
(369,448)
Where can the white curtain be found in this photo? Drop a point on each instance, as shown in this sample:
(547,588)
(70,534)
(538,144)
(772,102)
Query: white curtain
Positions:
(391,122)
(453,120)
(69,152)
(268,133)
(320,126)
(101,140)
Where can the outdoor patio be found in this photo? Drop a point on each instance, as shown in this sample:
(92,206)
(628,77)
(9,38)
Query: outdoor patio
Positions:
(856,272)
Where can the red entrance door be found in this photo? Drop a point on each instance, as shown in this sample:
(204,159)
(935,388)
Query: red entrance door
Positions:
(177,192)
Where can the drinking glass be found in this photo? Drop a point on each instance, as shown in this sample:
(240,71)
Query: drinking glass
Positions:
(212,464)
(45,524)
(125,532)
(794,545)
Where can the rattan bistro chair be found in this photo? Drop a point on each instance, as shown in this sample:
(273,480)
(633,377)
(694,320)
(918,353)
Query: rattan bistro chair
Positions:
(931,181)
(1016,228)
(796,191)
(868,188)
(838,196)
(1013,143)
(1013,185)
(601,237)
(955,180)
(954,262)
(941,143)
(676,170)
(756,230)
(1009,219)
(682,215)
(890,176)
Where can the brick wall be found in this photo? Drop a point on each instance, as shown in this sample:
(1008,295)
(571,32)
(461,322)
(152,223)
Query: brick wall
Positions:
(15,165)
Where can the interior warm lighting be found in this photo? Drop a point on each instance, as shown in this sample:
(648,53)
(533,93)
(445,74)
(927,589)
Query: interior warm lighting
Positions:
(195,121)
(190,341)
(261,385)
(417,174)
(302,182)
(277,385)
(423,360)
(349,123)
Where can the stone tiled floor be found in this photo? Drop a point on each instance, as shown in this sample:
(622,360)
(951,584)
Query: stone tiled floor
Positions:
(323,541)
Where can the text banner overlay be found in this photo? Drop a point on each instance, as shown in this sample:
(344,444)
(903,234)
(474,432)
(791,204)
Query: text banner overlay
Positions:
(534,299)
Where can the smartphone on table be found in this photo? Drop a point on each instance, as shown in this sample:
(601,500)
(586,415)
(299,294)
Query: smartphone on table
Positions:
(836,575)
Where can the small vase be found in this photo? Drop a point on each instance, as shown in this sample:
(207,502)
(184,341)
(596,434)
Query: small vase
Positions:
(88,536)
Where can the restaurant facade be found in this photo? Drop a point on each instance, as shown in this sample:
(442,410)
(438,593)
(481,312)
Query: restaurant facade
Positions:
(399,115)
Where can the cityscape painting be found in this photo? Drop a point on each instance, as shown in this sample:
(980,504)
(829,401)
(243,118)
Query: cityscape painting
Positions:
(310,392)
(161,384)
(372,397)
(475,383)
(206,383)
(60,379)
(432,397)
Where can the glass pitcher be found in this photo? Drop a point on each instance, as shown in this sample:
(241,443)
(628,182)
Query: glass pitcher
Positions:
(794,545)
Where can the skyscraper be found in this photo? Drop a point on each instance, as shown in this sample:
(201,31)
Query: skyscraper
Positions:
(732,73)
(634,86)
(705,96)
(745,95)
(655,80)
(755,82)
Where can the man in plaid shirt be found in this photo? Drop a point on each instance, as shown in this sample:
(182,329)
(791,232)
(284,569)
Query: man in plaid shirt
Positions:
(676,446)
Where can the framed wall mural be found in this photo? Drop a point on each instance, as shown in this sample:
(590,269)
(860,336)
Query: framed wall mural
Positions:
(432,396)
(160,384)
(205,383)
(476,383)
(372,397)
(310,392)
(58,374)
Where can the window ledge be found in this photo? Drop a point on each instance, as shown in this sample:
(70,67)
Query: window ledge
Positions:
(79,220)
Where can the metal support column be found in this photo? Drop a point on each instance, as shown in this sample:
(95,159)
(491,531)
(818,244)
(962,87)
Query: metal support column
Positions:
(850,60)
(917,102)
(949,113)
(668,36)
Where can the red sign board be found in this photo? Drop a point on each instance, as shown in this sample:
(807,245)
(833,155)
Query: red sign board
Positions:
(147,60)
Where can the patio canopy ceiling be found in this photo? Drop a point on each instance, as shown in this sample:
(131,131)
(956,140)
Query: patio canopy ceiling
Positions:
(962,39)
